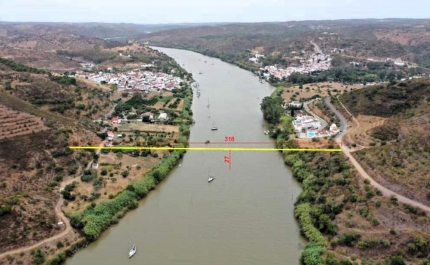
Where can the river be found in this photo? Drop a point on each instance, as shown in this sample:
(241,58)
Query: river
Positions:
(244,216)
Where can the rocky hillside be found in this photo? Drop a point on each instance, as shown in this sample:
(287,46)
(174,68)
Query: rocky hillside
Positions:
(281,42)
(399,157)
(40,115)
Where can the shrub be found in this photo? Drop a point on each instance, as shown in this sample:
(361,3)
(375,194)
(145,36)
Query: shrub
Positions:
(60,244)
(125,173)
(73,170)
(378,203)
(39,257)
(89,175)
(397,260)
(58,178)
(349,239)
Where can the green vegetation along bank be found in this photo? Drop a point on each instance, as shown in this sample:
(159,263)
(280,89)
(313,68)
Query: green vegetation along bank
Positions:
(98,217)
(346,220)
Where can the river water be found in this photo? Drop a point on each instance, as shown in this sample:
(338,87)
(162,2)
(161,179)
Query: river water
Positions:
(245,216)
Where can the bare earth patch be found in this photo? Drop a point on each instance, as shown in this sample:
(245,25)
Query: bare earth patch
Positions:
(14,123)
(310,90)
(360,135)
(146,127)
(404,37)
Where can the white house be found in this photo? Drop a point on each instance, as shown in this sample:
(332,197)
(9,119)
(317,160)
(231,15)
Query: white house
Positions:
(294,104)
(399,63)
(306,123)
(162,116)
(110,135)
(333,128)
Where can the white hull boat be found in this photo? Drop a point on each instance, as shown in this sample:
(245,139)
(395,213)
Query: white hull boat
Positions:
(210,177)
(132,251)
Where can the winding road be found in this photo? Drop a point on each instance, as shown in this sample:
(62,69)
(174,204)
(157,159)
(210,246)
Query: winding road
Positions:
(363,173)
(63,218)
(60,215)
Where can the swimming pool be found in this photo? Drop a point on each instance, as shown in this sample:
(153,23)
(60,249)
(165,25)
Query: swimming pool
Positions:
(311,134)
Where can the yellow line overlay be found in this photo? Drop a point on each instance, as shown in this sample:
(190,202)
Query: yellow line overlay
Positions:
(208,148)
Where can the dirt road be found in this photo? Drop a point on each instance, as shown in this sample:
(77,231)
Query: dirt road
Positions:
(316,47)
(61,216)
(363,173)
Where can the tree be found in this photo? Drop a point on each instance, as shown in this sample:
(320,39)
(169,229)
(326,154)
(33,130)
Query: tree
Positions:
(125,173)
(39,257)
(398,260)
(272,110)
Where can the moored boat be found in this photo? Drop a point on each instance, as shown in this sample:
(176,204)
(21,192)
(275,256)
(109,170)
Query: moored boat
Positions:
(132,251)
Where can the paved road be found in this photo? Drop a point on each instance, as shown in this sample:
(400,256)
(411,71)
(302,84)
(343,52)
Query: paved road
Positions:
(316,47)
(111,111)
(305,106)
(363,173)
(343,121)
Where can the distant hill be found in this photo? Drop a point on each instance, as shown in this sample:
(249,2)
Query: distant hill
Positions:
(97,30)
(281,41)
(400,158)
(40,115)
(49,45)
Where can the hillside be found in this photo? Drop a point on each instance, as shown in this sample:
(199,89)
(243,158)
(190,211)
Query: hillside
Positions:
(36,45)
(40,115)
(61,47)
(93,30)
(345,219)
(283,42)
(399,153)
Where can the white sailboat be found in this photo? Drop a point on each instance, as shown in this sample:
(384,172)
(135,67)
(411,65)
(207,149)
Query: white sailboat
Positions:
(210,177)
(132,251)
(214,128)
(208,102)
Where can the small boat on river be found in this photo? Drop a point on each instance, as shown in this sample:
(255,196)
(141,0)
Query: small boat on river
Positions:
(132,251)
(210,177)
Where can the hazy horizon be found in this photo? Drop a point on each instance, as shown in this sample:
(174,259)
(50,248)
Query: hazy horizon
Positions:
(209,22)
(198,12)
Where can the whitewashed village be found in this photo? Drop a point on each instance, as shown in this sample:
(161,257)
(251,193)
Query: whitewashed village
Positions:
(138,81)
(316,62)
(135,80)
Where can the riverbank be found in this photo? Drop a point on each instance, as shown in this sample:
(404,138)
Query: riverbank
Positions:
(84,210)
(98,217)
(345,219)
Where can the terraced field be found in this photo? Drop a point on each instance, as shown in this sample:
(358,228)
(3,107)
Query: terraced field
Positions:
(14,123)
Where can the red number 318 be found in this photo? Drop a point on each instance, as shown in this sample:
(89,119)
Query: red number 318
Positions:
(229,139)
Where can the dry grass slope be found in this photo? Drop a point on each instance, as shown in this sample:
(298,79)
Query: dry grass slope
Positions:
(399,134)
(34,153)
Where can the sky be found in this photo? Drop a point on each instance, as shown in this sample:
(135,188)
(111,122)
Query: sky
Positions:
(200,11)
